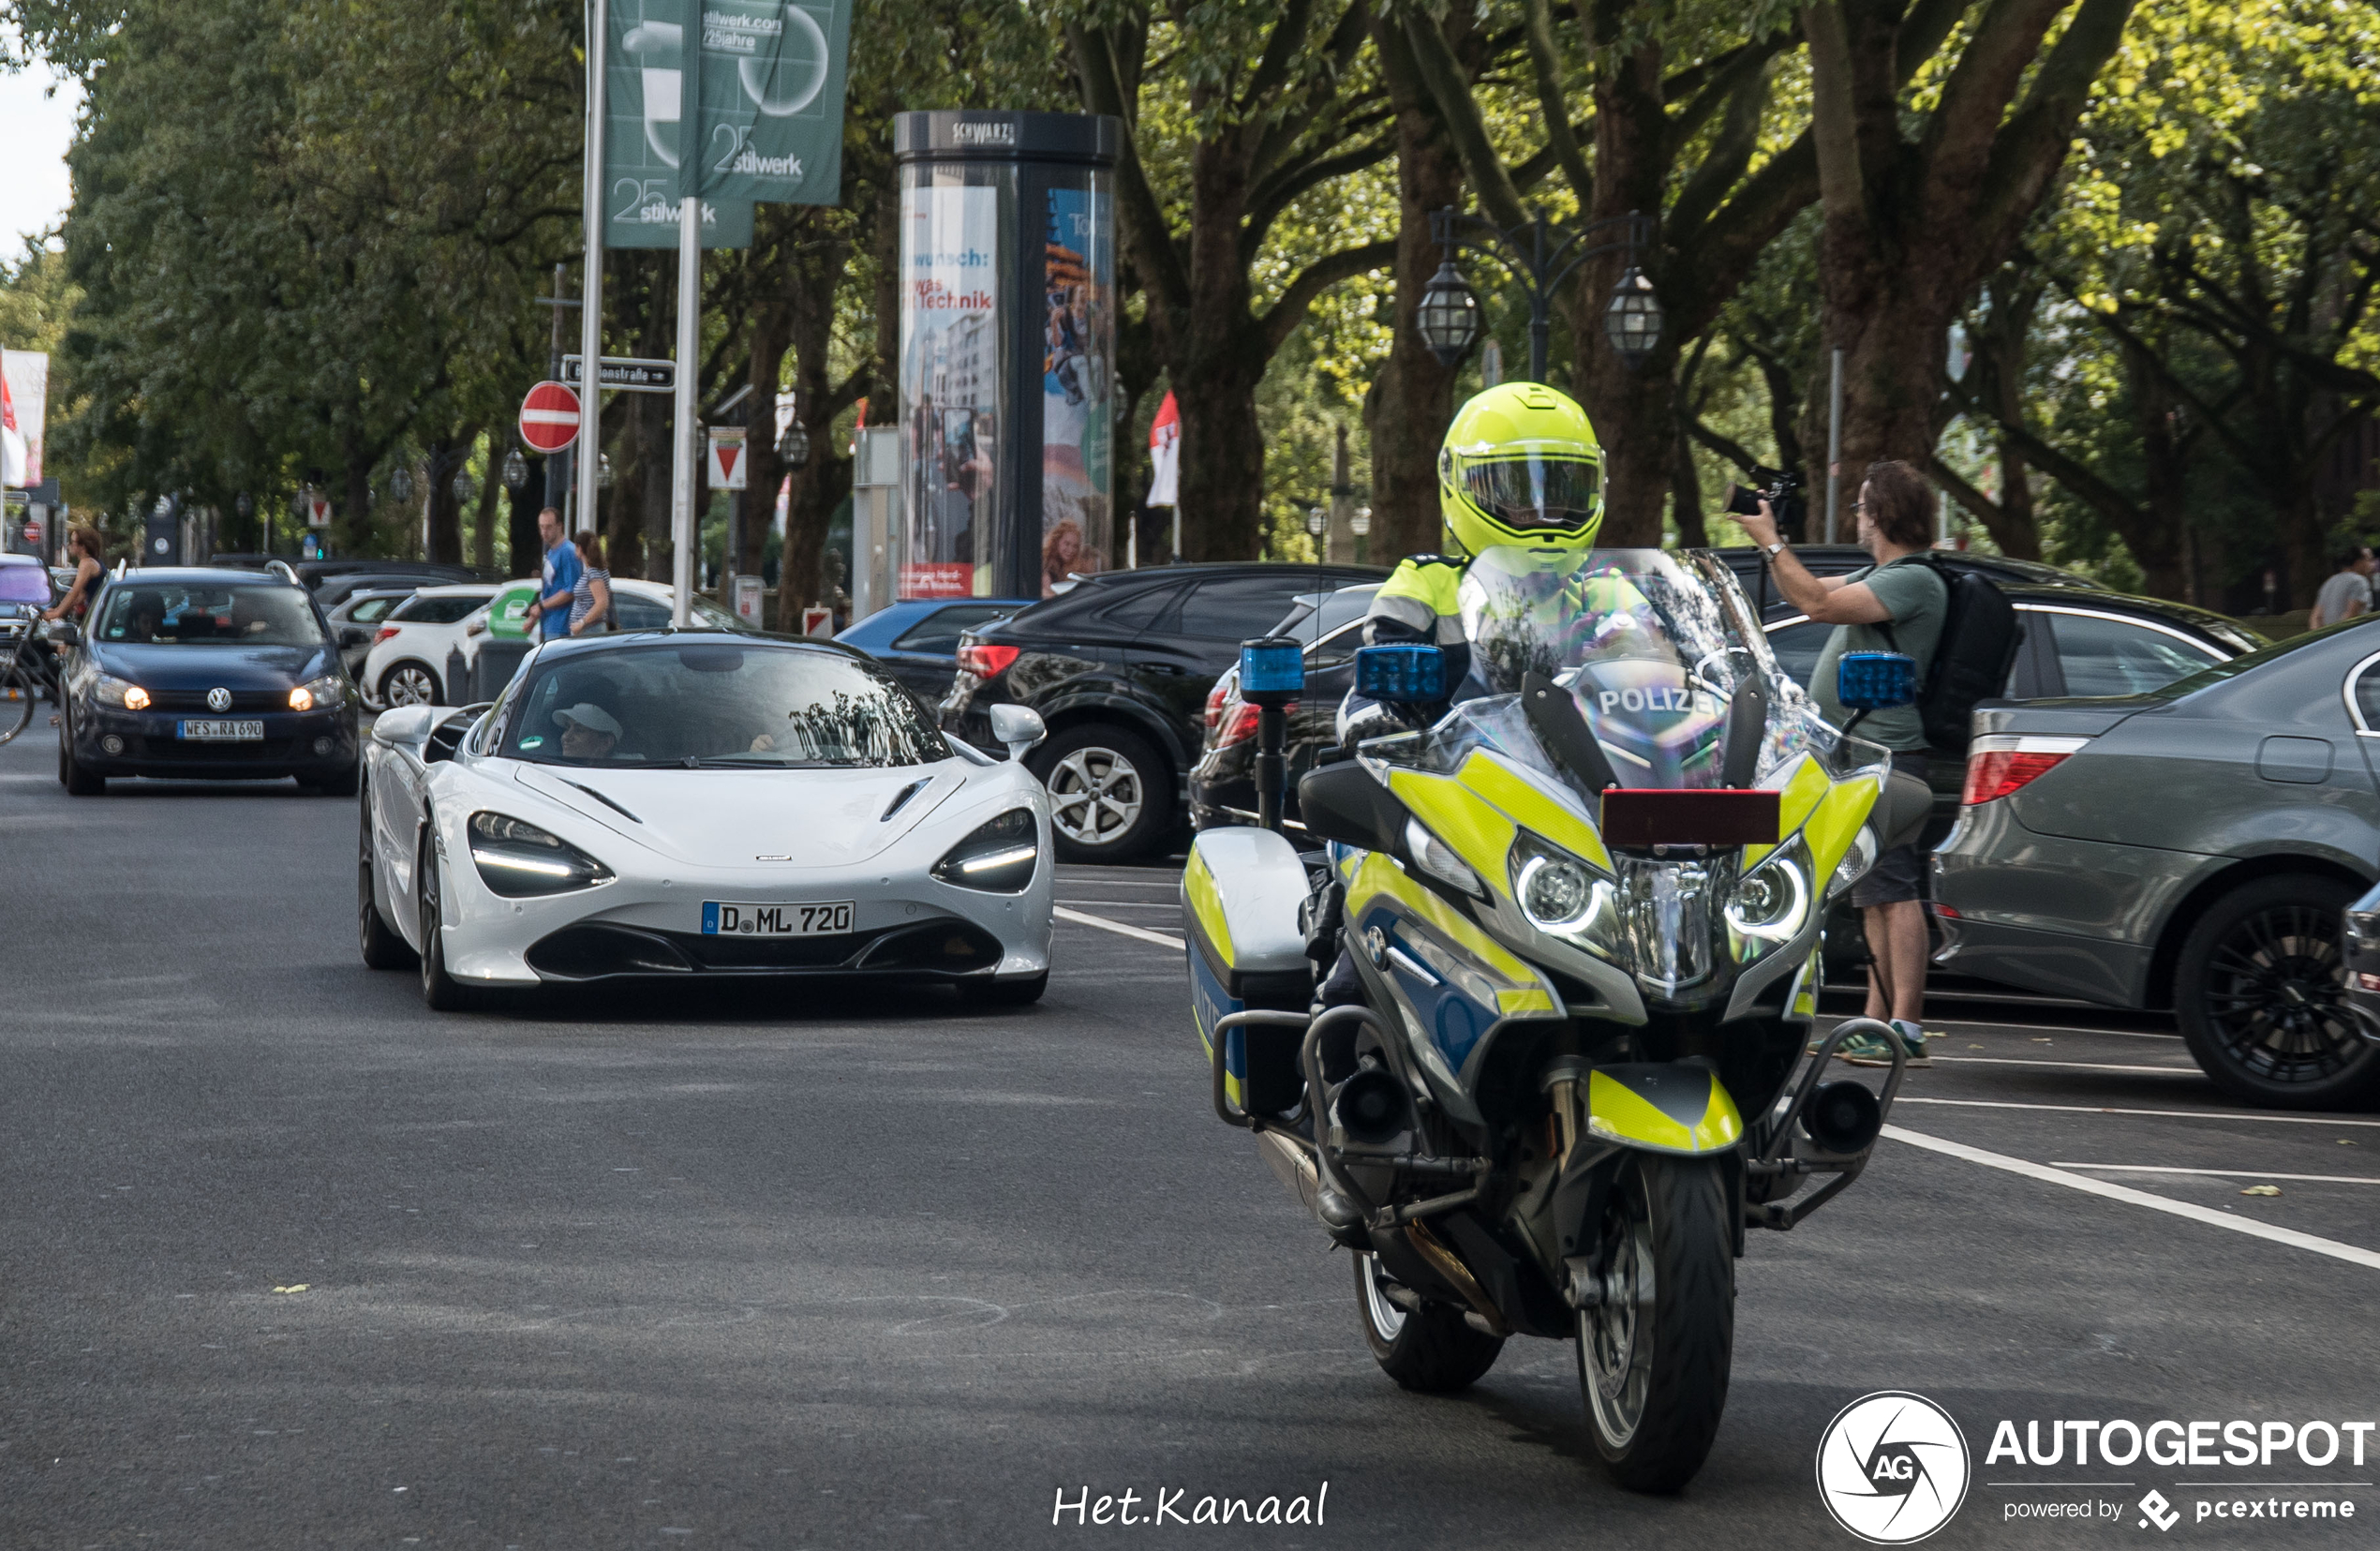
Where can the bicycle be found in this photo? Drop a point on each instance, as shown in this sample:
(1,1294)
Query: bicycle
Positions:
(28,671)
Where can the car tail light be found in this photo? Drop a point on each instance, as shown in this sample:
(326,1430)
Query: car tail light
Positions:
(1214,707)
(1240,723)
(2000,765)
(986,662)
(385,632)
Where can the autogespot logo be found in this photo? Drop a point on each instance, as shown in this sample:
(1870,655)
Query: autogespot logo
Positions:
(1892,1468)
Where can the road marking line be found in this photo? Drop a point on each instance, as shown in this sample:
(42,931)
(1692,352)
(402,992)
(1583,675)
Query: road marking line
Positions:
(1119,927)
(2056,1028)
(2253,1227)
(2106,1110)
(2228,1173)
(2071,1066)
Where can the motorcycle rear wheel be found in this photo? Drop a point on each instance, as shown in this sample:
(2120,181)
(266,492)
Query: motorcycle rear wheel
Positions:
(1652,1355)
(1430,1352)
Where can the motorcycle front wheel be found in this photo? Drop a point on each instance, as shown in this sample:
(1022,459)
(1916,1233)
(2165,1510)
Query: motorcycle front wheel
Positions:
(1430,1351)
(1654,1351)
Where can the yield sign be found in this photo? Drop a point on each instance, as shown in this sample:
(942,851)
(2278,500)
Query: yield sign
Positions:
(549,418)
(728,458)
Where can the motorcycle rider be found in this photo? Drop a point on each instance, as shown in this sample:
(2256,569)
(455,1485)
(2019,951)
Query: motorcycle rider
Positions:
(1519,467)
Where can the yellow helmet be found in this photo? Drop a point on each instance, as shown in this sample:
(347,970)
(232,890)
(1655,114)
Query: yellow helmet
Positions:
(1521,466)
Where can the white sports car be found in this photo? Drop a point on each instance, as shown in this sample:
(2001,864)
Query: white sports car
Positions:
(672,804)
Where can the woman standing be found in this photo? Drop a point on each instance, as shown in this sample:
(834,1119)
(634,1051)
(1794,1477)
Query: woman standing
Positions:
(591,599)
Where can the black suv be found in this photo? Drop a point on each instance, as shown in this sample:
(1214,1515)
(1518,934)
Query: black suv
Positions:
(1119,667)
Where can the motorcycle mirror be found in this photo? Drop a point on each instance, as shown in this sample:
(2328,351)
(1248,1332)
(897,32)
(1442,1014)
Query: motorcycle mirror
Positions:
(1876,680)
(1401,676)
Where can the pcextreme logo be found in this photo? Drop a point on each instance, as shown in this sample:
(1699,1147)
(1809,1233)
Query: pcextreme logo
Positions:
(1892,1467)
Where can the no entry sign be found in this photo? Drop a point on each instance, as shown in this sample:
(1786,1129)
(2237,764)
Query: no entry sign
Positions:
(549,418)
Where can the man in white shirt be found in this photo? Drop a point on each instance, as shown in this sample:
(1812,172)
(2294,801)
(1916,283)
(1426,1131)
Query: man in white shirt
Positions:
(2348,593)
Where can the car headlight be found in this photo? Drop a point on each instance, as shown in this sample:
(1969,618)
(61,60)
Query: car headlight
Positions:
(1771,903)
(998,857)
(1436,857)
(1857,861)
(518,859)
(325,693)
(122,693)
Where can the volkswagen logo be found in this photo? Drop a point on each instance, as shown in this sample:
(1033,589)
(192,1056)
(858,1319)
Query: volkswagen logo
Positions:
(218,700)
(1892,1468)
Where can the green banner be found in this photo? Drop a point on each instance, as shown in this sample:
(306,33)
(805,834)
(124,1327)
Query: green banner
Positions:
(769,126)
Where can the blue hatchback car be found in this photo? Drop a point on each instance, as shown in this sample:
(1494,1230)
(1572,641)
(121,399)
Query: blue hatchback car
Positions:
(190,673)
(918,640)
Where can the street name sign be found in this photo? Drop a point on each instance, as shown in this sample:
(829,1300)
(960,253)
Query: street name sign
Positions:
(625,373)
(549,417)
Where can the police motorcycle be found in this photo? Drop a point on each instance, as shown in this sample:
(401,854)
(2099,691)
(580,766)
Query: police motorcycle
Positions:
(1531,1035)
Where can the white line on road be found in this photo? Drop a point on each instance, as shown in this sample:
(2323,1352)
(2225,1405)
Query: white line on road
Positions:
(2254,1228)
(2056,1028)
(2069,1066)
(2105,1110)
(2227,1173)
(1119,927)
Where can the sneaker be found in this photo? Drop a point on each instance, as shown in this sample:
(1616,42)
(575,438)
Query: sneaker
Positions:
(1870,1051)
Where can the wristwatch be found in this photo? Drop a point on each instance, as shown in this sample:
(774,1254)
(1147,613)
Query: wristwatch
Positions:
(1768,551)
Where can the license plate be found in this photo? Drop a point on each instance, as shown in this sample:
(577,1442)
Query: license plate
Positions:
(775,920)
(224,732)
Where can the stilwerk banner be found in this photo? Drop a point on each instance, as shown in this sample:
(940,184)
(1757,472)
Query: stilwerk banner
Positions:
(767,124)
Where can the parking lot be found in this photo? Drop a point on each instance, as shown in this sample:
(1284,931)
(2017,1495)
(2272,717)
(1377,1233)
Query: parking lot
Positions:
(291,1261)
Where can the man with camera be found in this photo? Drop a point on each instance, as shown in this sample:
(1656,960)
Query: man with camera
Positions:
(1896,604)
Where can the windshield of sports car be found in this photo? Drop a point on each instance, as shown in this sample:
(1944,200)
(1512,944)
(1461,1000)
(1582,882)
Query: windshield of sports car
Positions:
(715,705)
(1654,650)
(210,614)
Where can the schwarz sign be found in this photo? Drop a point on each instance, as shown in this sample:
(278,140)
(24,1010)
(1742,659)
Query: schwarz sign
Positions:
(625,373)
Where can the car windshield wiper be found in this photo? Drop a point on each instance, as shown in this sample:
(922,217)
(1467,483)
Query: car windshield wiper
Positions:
(762,762)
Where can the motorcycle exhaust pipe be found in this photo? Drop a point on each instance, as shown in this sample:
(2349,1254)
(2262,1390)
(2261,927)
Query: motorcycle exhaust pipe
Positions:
(1843,1117)
(1371,1108)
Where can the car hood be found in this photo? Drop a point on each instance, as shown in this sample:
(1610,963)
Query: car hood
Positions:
(753,818)
(207,666)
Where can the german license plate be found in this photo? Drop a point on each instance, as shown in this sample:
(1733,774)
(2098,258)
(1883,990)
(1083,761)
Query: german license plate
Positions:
(223,732)
(776,920)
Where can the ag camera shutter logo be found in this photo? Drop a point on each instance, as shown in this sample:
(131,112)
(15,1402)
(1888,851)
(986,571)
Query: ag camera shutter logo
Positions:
(1892,1467)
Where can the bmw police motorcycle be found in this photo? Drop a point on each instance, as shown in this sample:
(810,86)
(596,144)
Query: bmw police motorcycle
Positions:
(1531,1034)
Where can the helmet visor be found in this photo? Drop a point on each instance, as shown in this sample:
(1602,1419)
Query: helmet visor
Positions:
(1535,490)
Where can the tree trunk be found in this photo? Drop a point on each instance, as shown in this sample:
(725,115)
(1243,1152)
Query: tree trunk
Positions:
(484,521)
(1220,360)
(354,523)
(521,514)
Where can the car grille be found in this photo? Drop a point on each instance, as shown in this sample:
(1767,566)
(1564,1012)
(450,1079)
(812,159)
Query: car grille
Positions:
(194,701)
(596,949)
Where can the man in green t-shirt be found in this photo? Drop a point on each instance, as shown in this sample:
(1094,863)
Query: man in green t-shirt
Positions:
(1896,604)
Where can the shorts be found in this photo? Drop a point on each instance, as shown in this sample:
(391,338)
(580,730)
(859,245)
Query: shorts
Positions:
(1897,877)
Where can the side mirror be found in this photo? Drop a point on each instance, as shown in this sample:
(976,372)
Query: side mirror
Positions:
(1875,680)
(1018,728)
(1401,676)
(405,725)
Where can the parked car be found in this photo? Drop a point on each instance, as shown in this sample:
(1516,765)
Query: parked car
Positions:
(1222,781)
(406,663)
(315,574)
(638,605)
(356,620)
(2191,847)
(332,592)
(1841,560)
(918,640)
(194,673)
(1119,667)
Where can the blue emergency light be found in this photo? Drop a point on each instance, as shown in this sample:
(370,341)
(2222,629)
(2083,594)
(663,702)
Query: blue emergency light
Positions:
(1875,680)
(1401,676)
(1272,667)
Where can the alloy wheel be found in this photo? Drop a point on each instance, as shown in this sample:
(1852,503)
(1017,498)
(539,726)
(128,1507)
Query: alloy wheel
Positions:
(1615,1336)
(2276,995)
(1385,1318)
(1094,796)
(409,685)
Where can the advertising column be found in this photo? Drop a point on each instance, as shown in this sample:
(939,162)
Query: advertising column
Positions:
(1008,345)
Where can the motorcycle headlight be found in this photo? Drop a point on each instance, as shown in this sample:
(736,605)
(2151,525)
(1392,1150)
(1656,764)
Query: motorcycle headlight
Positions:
(998,857)
(1436,857)
(122,693)
(1772,902)
(518,859)
(1856,863)
(325,693)
(1565,897)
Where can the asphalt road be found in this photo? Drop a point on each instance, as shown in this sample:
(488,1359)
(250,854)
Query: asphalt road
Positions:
(288,1261)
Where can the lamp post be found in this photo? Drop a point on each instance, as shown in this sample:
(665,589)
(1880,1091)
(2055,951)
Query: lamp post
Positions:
(1541,257)
(516,470)
(793,448)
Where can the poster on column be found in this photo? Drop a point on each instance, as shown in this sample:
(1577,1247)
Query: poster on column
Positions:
(1077,381)
(950,376)
(25,375)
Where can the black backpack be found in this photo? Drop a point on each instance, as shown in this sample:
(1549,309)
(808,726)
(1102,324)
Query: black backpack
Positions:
(1972,658)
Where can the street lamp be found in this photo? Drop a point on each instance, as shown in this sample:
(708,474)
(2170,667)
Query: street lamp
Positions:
(401,485)
(602,470)
(1318,521)
(515,469)
(462,488)
(1449,315)
(793,448)
(1541,258)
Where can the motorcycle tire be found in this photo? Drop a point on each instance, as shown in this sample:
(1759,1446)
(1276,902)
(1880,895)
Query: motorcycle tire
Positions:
(1430,1352)
(1653,1366)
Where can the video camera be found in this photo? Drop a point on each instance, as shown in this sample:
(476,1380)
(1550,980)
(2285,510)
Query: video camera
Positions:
(1782,490)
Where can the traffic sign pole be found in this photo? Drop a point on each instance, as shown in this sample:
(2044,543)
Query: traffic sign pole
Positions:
(689,320)
(591,312)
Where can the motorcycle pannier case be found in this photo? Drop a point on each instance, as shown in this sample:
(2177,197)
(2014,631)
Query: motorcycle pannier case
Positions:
(1240,899)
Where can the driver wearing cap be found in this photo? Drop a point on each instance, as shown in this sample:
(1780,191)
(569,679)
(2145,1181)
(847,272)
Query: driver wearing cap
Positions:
(589,731)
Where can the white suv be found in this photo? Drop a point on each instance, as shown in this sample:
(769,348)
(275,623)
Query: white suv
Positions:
(407,665)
